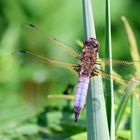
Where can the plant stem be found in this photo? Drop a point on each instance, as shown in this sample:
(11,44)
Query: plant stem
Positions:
(97,128)
(108,69)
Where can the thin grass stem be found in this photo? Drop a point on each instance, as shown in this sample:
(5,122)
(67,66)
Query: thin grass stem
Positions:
(108,69)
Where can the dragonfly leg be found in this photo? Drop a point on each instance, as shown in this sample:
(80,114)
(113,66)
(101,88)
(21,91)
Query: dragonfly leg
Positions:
(95,73)
(97,63)
(77,68)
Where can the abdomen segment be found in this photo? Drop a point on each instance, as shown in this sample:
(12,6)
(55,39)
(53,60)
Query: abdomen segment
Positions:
(80,96)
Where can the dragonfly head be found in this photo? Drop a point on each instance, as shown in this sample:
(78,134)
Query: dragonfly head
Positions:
(92,43)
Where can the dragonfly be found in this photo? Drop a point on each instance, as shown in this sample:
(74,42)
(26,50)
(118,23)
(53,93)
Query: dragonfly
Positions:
(89,64)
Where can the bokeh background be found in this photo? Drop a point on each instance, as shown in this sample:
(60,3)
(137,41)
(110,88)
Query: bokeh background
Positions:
(26,112)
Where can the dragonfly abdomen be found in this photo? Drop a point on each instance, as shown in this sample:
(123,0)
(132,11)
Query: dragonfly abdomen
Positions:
(80,96)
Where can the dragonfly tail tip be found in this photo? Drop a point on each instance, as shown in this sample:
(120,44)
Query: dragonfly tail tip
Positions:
(76,117)
(77,113)
(75,120)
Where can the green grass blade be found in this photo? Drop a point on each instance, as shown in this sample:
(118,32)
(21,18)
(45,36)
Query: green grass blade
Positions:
(97,127)
(108,69)
(124,134)
(123,103)
(135,56)
(81,136)
(132,40)
(135,105)
(135,118)
(88,20)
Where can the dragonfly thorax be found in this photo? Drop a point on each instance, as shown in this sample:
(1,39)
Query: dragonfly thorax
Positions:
(88,57)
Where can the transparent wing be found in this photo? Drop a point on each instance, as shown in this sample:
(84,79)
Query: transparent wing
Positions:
(122,68)
(43,38)
(115,77)
(30,57)
(118,62)
(55,70)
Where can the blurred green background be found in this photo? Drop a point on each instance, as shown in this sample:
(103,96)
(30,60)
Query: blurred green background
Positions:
(25,111)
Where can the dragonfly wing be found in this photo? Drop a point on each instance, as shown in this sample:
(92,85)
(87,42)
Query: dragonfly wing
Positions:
(126,69)
(27,56)
(106,61)
(115,77)
(45,39)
